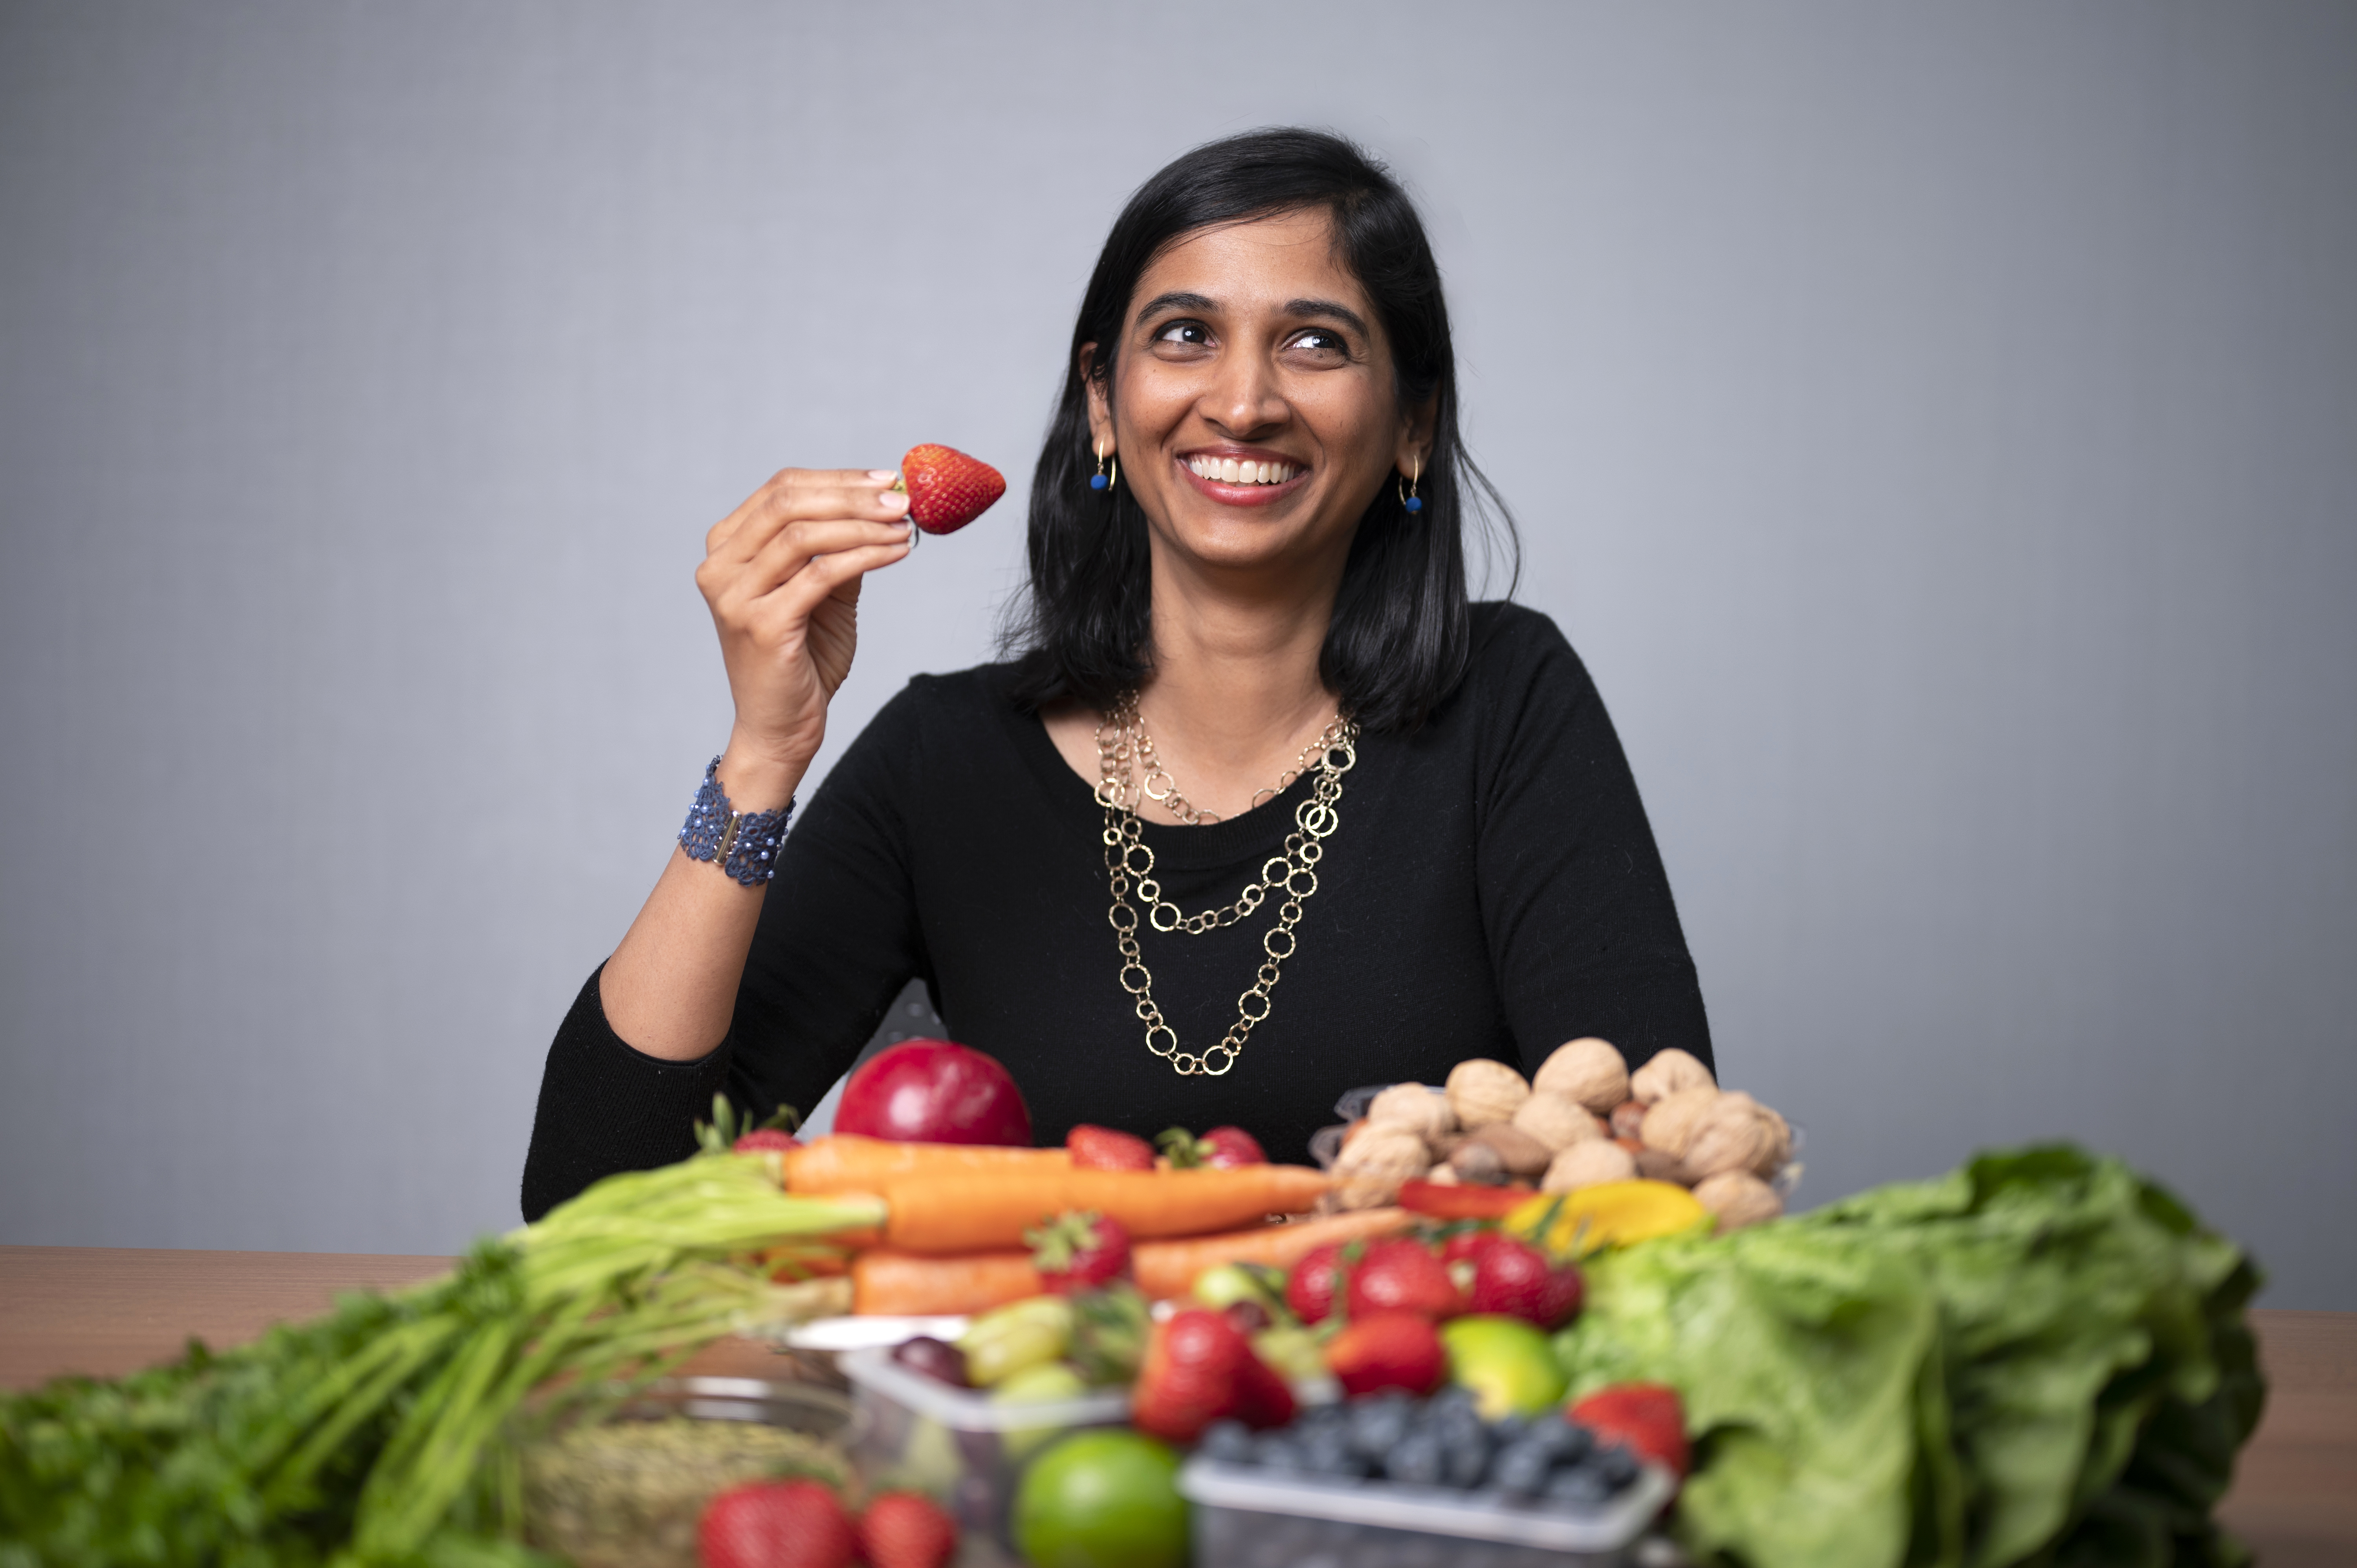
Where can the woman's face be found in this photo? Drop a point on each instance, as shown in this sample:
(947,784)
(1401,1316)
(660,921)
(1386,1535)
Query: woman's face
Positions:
(1254,407)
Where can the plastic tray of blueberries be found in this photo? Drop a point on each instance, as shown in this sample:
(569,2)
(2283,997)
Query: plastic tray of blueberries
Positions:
(1361,1485)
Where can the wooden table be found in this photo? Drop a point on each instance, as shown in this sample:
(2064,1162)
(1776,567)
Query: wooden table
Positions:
(105,1311)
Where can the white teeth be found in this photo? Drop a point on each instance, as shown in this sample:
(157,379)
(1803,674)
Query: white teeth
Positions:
(1263,475)
(1231,471)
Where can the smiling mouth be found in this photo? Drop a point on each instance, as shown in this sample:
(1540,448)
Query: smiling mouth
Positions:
(1233,471)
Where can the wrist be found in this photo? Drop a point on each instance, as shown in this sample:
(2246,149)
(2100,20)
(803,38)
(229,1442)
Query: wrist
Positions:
(760,778)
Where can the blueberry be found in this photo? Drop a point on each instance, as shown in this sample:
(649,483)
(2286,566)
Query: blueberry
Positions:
(1416,1459)
(1509,1428)
(1228,1442)
(1617,1465)
(1580,1488)
(1376,1424)
(1326,1452)
(1521,1469)
(1466,1458)
(1277,1451)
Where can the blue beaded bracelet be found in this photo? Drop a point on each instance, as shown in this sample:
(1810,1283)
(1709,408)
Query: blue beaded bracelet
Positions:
(744,843)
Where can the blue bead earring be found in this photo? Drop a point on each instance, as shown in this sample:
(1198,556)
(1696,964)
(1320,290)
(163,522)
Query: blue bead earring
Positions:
(1409,501)
(1100,481)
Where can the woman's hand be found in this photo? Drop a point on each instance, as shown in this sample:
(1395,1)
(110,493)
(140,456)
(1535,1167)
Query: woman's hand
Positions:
(781,574)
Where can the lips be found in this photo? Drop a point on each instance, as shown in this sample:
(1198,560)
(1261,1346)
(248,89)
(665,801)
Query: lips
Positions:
(1243,480)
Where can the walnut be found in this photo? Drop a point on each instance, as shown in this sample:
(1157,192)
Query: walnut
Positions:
(1479,1164)
(1483,1092)
(1739,1198)
(1627,1117)
(1522,1155)
(1668,1072)
(1441,1174)
(1670,1121)
(1779,1144)
(1415,1109)
(1556,1119)
(1586,1162)
(1730,1135)
(1654,1165)
(1589,1070)
(1375,1163)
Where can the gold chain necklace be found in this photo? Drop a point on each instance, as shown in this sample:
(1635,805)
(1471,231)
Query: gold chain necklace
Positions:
(1123,746)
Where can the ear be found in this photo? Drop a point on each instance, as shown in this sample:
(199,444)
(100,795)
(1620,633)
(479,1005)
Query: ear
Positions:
(1414,453)
(1100,406)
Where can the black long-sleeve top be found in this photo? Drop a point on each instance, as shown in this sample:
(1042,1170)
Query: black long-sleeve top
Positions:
(1492,891)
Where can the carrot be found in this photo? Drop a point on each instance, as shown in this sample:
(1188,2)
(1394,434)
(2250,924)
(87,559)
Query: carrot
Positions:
(966,1211)
(845,1162)
(1462,1201)
(1168,1268)
(907,1284)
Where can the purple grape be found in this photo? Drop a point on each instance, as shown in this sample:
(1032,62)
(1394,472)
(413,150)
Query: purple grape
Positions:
(931,1358)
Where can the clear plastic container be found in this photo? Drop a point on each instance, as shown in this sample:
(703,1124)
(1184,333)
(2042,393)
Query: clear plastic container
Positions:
(1250,1519)
(959,1446)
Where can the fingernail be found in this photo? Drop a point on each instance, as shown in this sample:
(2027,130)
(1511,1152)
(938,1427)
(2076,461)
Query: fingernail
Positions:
(893,501)
(881,473)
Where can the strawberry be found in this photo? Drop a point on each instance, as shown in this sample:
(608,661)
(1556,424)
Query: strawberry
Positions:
(1388,1350)
(765,1138)
(1079,1250)
(1220,1147)
(1200,1369)
(1404,1276)
(725,1134)
(1102,1149)
(906,1530)
(947,490)
(775,1524)
(1647,1419)
(1315,1282)
(1514,1278)
(1467,1246)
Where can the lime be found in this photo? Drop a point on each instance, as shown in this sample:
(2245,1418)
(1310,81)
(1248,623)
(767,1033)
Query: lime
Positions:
(1102,1500)
(1052,1384)
(1509,1364)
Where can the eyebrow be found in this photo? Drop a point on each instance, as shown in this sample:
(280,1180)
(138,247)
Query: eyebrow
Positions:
(1331,309)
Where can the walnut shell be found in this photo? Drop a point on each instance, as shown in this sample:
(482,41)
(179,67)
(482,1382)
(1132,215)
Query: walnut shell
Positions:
(1627,1117)
(1739,1198)
(1668,1072)
(1779,1144)
(1586,1162)
(1654,1165)
(1375,1163)
(1415,1109)
(1556,1119)
(1479,1164)
(1590,1070)
(1483,1091)
(1670,1122)
(1441,1174)
(1524,1155)
(1729,1135)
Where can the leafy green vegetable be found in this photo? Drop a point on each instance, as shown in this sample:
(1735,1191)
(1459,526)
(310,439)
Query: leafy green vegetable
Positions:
(373,1435)
(2038,1359)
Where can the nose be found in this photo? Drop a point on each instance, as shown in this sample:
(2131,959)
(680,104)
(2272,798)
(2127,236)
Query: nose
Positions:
(1244,399)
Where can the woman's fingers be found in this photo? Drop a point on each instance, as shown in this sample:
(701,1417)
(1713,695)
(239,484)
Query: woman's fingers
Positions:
(798,495)
(793,547)
(826,575)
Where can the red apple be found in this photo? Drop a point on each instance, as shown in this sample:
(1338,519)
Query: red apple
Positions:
(933,1091)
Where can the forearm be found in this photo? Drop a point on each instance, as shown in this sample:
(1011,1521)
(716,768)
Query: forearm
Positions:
(670,986)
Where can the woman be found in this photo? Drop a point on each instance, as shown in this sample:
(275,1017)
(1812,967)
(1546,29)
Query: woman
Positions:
(1248,663)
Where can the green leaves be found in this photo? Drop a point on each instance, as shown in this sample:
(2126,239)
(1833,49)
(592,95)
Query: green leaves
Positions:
(2038,1357)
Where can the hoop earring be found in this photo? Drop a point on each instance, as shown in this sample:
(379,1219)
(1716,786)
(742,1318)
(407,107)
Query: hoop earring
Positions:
(1409,501)
(1100,481)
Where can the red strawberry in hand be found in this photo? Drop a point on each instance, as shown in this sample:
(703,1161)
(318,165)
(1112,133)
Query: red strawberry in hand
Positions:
(906,1530)
(1200,1369)
(1402,1276)
(1315,1282)
(775,1524)
(1220,1147)
(947,490)
(1388,1350)
(1517,1280)
(1647,1419)
(1079,1250)
(1104,1149)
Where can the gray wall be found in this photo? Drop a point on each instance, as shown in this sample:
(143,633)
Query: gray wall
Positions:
(1936,425)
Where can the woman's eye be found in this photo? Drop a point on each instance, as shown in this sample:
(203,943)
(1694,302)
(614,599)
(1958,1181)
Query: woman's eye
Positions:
(1193,333)
(1316,340)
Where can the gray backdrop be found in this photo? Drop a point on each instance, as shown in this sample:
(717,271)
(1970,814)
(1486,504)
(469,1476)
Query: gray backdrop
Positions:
(1937,426)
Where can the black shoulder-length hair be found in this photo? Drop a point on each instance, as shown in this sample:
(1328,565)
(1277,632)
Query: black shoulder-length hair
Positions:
(1400,636)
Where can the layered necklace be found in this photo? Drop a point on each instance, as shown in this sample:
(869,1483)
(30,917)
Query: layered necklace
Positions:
(1129,774)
